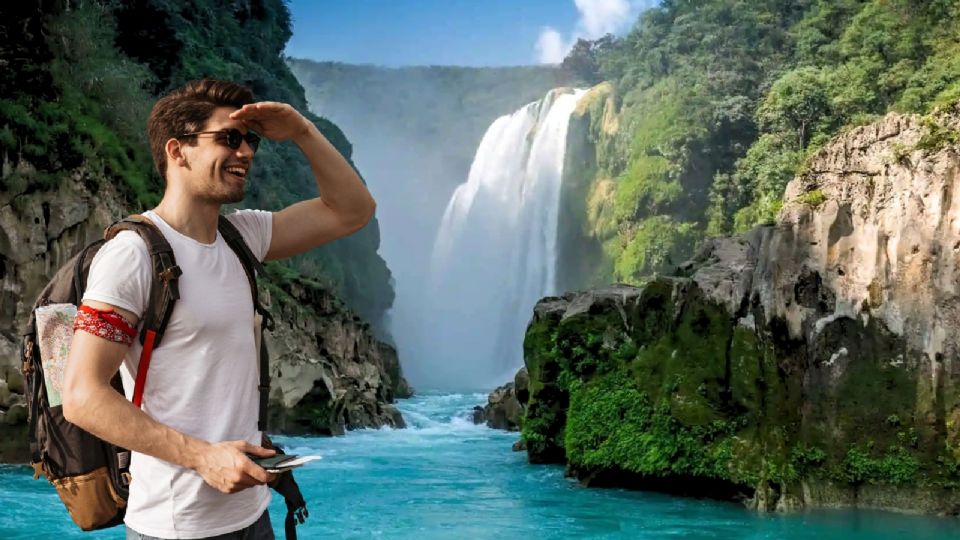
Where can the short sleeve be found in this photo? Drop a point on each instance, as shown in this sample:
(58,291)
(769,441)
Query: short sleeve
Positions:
(256,227)
(120,274)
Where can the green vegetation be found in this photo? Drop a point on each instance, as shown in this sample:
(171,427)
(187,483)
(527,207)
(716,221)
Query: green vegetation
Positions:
(653,398)
(937,136)
(80,81)
(545,414)
(668,385)
(657,247)
(719,104)
(76,103)
(812,198)
(897,466)
(613,424)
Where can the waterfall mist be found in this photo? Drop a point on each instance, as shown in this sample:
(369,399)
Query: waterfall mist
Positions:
(495,251)
(415,135)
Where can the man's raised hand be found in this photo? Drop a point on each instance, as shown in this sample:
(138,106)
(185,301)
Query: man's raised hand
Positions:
(273,120)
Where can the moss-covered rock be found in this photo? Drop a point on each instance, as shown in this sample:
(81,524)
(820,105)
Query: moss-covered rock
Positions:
(662,388)
(649,398)
(809,363)
(545,414)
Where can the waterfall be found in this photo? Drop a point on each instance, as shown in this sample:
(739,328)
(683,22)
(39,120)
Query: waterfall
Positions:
(495,252)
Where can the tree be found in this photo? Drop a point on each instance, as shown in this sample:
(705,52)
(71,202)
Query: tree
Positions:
(582,61)
(798,103)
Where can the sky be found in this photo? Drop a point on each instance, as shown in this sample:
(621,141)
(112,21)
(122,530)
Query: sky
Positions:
(452,32)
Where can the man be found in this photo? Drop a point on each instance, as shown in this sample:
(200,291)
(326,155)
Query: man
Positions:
(191,477)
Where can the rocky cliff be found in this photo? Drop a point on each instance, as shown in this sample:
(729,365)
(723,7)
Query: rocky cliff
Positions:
(39,231)
(330,373)
(808,363)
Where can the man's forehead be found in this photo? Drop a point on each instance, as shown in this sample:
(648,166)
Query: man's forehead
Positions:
(220,119)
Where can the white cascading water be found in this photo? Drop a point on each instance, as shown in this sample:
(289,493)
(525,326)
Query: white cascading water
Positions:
(495,252)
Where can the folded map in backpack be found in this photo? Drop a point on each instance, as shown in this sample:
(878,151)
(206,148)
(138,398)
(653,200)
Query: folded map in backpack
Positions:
(54,333)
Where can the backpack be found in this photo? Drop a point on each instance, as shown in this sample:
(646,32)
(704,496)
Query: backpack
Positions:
(91,475)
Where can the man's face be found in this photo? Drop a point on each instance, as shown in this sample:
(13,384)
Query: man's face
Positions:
(216,172)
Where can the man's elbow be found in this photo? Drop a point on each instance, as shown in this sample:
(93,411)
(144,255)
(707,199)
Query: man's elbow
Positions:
(371,211)
(364,216)
(75,400)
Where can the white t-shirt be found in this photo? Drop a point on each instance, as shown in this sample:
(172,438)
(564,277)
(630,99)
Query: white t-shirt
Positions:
(203,377)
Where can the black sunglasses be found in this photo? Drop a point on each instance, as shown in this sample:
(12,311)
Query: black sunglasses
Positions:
(232,137)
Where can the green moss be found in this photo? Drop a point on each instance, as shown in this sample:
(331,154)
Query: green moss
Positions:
(757,385)
(901,153)
(897,466)
(936,136)
(804,461)
(812,198)
(589,344)
(657,245)
(669,384)
(679,394)
(539,353)
(863,416)
(121,160)
(684,360)
(545,414)
(613,424)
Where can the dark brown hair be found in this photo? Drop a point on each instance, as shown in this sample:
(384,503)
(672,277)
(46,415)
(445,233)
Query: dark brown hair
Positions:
(187,109)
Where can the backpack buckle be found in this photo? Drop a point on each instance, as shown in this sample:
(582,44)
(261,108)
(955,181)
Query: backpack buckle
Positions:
(170,274)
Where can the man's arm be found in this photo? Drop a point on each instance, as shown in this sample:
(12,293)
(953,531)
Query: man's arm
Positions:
(92,404)
(344,206)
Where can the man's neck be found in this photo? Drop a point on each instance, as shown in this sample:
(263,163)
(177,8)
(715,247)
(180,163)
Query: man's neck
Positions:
(190,217)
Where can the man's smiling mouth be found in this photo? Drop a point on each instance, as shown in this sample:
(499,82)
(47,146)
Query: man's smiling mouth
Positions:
(237,171)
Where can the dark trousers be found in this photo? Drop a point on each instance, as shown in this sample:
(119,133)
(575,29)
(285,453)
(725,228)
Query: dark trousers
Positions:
(259,530)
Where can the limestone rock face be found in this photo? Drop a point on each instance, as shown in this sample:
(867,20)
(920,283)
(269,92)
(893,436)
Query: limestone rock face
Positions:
(39,232)
(865,258)
(814,362)
(329,373)
(324,357)
(885,240)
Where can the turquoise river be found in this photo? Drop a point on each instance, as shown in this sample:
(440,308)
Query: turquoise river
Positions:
(445,478)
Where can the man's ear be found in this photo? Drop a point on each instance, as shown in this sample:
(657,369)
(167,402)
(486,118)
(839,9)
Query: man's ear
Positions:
(175,153)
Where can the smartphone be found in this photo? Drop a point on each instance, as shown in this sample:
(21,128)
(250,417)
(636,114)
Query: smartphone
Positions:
(271,462)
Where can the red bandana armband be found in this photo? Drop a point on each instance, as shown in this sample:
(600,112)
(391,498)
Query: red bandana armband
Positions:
(107,324)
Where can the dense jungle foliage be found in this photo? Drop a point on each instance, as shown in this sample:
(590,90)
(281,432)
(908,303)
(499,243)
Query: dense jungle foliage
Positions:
(80,78)
(720,102)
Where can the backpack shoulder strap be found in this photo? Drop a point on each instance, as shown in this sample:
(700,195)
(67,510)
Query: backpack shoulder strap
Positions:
(236,242)
(252,266)
(164,291)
